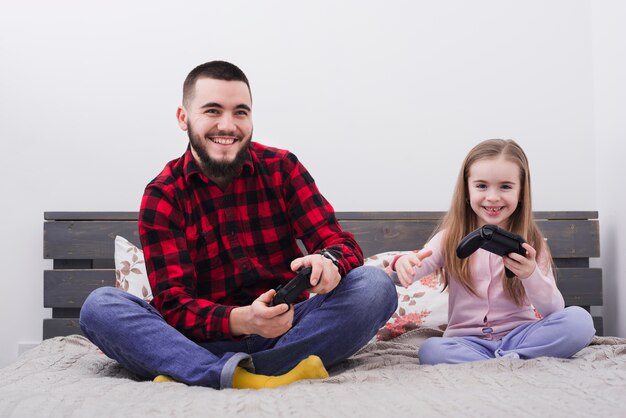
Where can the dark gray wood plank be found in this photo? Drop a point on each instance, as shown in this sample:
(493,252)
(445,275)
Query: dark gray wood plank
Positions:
(436,215)
(571,262)
(103,264)
(567,239)
(389,216)
(60,327)
(86,240)
(73,264)
(598,323)
(65,312)
(572,238)
(70,288)
(379,236)
(565,215)
(580,286)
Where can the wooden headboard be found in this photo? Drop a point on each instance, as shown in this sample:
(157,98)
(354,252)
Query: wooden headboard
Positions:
(81,245)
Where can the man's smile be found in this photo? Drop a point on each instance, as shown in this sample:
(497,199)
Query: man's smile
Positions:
(223,140)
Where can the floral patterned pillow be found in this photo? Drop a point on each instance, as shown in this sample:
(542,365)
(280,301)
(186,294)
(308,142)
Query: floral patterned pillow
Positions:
(422,304)
(130,269)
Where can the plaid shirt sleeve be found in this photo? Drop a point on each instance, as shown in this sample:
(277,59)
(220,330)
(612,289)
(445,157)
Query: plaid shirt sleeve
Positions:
(172,274)
(314,220)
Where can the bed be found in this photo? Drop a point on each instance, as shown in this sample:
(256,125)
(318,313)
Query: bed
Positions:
(68,376)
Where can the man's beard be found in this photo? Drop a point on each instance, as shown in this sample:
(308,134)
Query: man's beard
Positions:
(217,168)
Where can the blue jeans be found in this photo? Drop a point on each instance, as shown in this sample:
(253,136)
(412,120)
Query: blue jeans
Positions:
(332,326)
(560,334)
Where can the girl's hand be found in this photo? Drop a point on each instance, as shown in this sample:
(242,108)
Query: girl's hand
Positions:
(520,265)
(405,266)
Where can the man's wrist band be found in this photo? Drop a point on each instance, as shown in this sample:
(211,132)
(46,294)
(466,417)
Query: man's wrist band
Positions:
(330,256)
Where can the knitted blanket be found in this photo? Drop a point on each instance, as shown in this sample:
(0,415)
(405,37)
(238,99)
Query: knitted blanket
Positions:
(69,376)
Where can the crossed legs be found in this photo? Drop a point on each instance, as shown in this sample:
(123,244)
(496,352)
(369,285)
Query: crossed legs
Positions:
(561,334)
(332,327)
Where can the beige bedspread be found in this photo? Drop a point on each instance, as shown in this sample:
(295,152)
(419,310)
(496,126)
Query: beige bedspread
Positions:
(68,377)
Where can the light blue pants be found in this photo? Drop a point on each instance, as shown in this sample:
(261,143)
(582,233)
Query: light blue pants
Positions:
(332,326)
(561,334)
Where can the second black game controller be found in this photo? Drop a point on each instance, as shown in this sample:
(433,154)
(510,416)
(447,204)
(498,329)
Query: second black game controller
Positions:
(289,292)
(493,239)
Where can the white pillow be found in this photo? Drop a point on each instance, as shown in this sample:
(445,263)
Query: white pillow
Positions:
(130,269)
(422,304)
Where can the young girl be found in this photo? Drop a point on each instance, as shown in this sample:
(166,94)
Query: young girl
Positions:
(490,315)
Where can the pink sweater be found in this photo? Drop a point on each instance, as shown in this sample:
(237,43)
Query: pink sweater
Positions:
(492,314)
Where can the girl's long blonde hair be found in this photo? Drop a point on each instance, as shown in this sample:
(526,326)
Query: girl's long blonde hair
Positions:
(461,219)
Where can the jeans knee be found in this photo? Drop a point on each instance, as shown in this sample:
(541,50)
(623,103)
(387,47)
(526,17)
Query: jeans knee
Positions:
(378,288)
(95,305)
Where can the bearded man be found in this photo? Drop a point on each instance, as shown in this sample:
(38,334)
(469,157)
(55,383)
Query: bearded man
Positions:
(219,228)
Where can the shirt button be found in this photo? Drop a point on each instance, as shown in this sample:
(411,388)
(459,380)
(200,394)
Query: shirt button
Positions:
(487,330)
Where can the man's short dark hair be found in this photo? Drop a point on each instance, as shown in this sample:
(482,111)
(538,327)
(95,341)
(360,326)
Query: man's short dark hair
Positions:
(217,70)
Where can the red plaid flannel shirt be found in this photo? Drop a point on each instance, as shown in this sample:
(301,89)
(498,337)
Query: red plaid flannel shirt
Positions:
(208,251)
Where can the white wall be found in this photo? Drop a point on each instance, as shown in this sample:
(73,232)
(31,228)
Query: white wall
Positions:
(381,100)
(609,57)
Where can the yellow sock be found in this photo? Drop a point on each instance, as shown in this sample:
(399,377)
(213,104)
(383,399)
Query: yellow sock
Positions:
(163,378)
(309,368)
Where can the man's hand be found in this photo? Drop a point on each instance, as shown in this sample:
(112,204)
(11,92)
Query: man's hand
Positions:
(324,274)
(260,318)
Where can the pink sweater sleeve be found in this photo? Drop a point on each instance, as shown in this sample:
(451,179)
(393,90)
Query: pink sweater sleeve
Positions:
(541,289)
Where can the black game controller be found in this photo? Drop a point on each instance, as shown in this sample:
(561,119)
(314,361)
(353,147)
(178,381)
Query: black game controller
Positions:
(289,292)
(493,239)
